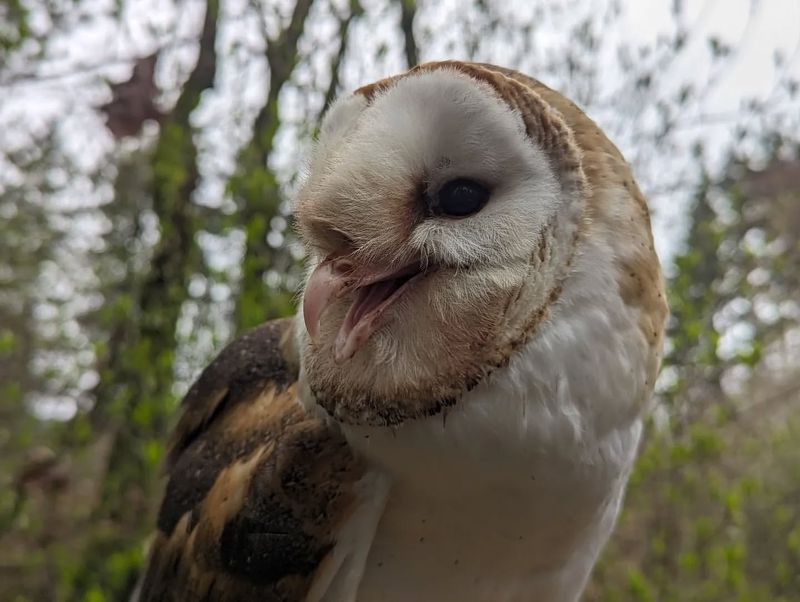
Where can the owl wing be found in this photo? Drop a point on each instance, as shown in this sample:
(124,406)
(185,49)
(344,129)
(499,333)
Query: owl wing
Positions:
(260,491)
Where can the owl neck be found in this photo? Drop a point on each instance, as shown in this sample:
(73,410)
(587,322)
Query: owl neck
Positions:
(500,500)
(512,494)
(475,515)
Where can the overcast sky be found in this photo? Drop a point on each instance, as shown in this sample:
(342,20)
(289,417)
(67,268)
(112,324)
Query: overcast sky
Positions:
(757,30)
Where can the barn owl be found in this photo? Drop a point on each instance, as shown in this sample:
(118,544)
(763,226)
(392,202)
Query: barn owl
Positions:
(454,413)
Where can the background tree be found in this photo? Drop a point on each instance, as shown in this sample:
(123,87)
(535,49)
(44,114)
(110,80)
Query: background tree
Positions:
(712,512)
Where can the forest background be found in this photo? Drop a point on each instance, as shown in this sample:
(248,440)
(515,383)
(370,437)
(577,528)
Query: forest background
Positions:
(149,152)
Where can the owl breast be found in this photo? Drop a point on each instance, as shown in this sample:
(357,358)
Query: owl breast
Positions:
(511,494)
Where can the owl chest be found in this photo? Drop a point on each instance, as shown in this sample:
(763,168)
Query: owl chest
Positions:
(511,496)
(471,535)
(488,518)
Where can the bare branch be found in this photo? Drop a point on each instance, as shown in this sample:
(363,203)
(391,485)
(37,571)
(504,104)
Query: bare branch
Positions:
(356,10)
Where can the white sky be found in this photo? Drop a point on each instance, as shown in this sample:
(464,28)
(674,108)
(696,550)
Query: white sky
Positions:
(773,28)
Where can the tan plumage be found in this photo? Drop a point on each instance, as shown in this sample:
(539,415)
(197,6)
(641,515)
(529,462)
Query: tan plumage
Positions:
(519,360)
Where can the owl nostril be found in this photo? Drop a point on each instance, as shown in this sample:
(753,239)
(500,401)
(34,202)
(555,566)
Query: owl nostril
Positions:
(339,264)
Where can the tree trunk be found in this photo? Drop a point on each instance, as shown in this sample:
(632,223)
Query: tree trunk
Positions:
(134,402)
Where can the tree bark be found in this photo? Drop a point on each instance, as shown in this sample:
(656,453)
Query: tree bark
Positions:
(134,401)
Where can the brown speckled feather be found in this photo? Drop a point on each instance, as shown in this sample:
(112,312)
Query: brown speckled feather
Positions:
(257,486)
(607,172)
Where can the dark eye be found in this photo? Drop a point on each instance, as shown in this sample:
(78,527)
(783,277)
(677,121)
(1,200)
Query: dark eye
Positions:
(461,197)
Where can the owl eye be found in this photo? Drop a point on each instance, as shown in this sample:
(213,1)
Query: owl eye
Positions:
(461,197)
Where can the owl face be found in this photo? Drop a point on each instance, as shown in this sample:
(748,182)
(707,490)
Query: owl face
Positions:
(431,220)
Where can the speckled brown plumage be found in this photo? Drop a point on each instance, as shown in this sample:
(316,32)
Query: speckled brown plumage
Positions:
(606,170)
(256,485)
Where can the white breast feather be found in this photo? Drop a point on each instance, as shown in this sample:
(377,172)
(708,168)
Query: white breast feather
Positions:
(562,421)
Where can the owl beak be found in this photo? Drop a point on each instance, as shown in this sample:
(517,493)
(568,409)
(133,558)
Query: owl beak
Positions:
(327,283)
(374,291)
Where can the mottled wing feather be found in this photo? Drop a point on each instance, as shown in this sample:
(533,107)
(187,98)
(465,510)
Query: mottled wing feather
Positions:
(257,486)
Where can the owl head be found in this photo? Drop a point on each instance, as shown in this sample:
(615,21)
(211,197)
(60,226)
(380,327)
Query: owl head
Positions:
(440,214)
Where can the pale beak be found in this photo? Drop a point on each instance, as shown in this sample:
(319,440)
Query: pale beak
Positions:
(375,290)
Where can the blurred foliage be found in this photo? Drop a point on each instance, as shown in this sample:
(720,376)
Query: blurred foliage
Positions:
(713,505)
(13,25)
(120,277)
(256,189)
